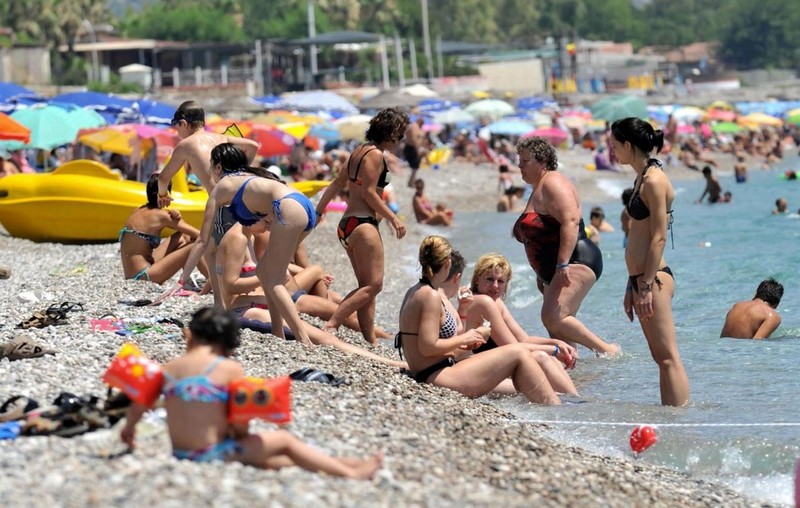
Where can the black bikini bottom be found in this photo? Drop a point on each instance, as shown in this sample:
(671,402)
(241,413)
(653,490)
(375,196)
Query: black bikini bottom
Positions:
(632,285)
(423,375)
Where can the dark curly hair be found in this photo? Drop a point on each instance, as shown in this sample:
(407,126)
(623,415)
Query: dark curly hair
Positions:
(388,124)
(215,327)
(541,150)
(638,133)
(771,291)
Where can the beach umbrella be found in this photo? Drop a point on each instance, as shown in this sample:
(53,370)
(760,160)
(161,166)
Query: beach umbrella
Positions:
(688,114)
(154,112)
(419,90)
(433,105)
(757,120)
(389,99)
(50,126)
(82,118)
(535,103)
(721,105)
(490,108)
(325,131)
(298,130)
(724,115)
(12,130)
(352,127)
(273,141)
(10,91)
(685,128)
(726,127)
(316,100)
(109,140)
(793,119)
(453,116)
(554,135)
(510,127)
(268,101)
(616,107)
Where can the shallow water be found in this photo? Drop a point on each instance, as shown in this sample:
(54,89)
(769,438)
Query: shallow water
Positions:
(742,426)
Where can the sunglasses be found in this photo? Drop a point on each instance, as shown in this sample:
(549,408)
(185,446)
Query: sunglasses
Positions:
(176,120)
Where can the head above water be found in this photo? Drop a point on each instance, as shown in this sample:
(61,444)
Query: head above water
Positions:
(215,327)
(771,291)
(152,190)
(434,252)
(639,134)
(190,112)
(489,264)
(540,150)
(388,124)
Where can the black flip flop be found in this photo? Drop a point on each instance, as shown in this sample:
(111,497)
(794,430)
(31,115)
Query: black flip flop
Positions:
(309,374)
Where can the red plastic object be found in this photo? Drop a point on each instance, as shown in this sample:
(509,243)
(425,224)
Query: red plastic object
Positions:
(268,399)
(139,377)
(642,438)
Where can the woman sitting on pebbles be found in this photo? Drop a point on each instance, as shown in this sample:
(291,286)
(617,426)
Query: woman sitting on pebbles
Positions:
(242,294)
(195,388)
(428,338)
(144,255)
(483,302)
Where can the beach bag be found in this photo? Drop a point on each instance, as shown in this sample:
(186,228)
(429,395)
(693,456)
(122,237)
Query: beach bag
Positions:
(137,376)
(268,399)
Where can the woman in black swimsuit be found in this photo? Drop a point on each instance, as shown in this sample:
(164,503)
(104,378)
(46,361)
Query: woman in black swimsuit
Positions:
(566,262)
(367,174)
(651,285)
(428,338)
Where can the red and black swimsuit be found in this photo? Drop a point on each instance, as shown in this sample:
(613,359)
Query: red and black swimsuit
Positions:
(541,236)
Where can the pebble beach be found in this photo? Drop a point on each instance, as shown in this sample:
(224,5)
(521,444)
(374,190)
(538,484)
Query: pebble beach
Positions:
(441,448)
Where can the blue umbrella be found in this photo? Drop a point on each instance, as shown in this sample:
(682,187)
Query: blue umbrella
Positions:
(317,100)
(154,112)
(10,91)
(535,103)
(325,131)
(511,127)
(269,101)
(50,126)
(436,105)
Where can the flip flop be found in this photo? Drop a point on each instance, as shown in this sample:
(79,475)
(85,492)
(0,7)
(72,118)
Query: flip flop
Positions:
(22,347)
(309,374)
(16,408)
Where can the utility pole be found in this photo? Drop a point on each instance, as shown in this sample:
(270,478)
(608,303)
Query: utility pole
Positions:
(426,39)
(312,32)
(401,71)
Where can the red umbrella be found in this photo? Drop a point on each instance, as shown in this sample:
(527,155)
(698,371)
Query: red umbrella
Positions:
(13,130)
(552,134)
(273,140)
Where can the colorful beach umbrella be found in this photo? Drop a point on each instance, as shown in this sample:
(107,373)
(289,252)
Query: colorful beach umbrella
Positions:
(554,135)
(489,108)
(724,115)
(453,116)
(273,140)
(726,127)
(616,107)
(50,126)
(352,127)
(688,114)
(12,130)
(794,119)
(757,120)
(82,118)
(510,127)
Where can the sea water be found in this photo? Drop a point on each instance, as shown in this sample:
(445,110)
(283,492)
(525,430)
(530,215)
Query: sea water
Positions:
(742,427)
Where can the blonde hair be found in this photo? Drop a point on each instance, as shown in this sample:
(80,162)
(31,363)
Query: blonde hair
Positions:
(490,263)
(434,251)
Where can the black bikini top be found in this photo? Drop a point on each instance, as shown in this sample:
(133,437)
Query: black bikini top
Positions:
(636,207)
(383,180)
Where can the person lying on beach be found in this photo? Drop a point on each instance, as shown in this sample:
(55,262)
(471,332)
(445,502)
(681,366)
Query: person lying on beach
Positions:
(713,188)
(424,210)
(144,255)
(194,153)
(756,318)
(196,398)
(241,293)
(485,305)
(428,338)
(509,201)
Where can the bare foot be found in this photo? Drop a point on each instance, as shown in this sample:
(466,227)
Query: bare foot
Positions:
(366,469)
(611,351)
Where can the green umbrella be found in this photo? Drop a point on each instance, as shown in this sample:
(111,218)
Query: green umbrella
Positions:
(794,119)
(50,126)
(726,127)
(82,118)
(615,107)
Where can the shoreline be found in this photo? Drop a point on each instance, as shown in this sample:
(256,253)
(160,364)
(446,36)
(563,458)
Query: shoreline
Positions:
(441,448)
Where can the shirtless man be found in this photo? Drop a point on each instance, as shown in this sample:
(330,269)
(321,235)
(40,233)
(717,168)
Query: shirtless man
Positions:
(713,188)
(740,169)
(756,318)
(413,148)
(194,152)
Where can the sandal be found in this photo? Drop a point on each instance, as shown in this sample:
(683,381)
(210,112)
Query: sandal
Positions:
(309,374)
(22,347)
(16,408)
(42,319)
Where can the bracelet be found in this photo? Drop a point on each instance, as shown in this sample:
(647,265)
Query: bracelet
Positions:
(562,265)
(646,287)
(557,350)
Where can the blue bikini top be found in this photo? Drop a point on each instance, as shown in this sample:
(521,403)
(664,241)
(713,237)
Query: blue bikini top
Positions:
(239,210)
(196,388)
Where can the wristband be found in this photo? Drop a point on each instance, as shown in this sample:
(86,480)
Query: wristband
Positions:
(562,265)
(557,350)
(181,282)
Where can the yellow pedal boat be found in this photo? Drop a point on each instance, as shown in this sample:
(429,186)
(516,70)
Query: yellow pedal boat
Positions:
(83,201)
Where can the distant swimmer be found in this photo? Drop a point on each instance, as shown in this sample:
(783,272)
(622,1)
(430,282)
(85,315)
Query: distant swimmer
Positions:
(781,206)
(756,318)
(713,188)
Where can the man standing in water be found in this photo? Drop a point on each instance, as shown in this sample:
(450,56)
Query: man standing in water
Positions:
(413,149)
(756,318)
(194,153)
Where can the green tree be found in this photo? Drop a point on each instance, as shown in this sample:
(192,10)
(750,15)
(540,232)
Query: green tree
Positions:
(518,23)
(614,20)
(186,22)
(680,22)
(762,34)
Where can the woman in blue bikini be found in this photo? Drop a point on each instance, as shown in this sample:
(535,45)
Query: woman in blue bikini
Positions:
(196,398)
(428,338)
(144,256)
(256,195)
(651,285)
(367,174)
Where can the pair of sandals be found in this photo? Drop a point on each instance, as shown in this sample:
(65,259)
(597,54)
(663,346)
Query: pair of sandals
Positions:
(53,315)
(309,374)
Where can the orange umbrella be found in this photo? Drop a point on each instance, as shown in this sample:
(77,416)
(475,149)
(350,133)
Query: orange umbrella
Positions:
(273,140)
(13,130)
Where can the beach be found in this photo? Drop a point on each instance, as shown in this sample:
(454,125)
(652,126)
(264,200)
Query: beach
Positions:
(441,448)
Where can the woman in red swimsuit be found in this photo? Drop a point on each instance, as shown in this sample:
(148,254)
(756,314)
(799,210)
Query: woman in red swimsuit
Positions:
(566,263)
(367,174)
(651,285)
